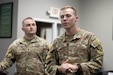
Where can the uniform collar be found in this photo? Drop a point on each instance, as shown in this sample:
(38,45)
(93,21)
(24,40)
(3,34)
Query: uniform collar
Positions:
(23,40)
(76,36)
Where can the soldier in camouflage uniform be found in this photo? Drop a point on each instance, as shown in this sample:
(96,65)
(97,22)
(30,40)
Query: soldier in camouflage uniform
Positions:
(75,52)
(29,52)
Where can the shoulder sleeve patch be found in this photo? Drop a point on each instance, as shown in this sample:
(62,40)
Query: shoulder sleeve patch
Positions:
(95,42)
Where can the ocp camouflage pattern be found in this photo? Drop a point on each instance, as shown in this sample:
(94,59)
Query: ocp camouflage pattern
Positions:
(29,56)
(83,48)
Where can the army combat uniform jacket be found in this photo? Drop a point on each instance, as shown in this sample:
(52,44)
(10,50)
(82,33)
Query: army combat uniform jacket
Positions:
(28,55)
(83,48)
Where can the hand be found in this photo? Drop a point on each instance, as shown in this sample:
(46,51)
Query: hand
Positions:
(67,67)
(63,67)
(72,68)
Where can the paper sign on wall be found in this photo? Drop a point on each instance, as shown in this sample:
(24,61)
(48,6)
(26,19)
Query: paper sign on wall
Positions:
(54,12)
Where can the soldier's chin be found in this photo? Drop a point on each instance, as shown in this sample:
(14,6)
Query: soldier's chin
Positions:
(32,33)
(66,27)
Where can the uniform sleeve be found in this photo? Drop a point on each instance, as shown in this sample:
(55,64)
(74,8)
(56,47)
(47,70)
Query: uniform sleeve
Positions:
(45,51)
(8,60)
(95,62)
(52,61)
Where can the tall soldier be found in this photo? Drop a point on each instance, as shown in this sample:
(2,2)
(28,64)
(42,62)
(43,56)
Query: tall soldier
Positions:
(28,52)
(75,52)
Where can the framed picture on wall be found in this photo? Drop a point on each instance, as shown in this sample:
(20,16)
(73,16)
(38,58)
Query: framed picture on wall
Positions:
(6,15)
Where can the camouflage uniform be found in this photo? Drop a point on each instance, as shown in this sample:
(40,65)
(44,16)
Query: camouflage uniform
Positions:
(28,55)
(83,48)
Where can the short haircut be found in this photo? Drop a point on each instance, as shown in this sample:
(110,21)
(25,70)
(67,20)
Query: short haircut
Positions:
(26,19)
(71,7)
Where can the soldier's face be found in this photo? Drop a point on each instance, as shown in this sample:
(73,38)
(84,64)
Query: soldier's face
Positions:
(29,27)
(68,18)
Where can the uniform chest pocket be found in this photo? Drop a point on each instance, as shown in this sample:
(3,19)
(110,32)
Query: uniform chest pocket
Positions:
(37,49)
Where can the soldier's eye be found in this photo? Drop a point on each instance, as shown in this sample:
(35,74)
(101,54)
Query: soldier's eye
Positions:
(61,16)
(33,24)
(28,25)
(68,15)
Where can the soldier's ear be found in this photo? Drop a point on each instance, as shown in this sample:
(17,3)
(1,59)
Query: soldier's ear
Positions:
(76,18)
(22,28)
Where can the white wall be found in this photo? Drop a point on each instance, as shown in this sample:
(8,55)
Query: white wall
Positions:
(97,16)
(39,8)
